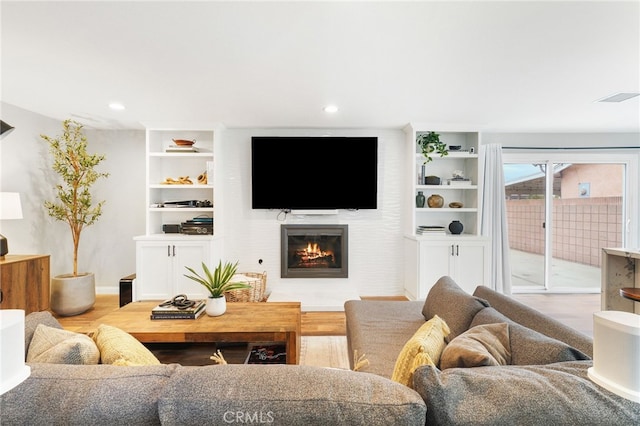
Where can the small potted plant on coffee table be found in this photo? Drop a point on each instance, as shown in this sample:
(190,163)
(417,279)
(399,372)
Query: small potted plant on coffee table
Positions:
(217,284)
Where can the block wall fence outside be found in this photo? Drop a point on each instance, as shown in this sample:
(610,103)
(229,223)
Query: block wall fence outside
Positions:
(582,226)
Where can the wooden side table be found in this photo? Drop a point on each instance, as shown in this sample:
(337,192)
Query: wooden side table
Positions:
(24,282)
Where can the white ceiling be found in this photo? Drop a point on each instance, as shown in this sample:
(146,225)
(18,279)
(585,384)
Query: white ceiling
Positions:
(508,66)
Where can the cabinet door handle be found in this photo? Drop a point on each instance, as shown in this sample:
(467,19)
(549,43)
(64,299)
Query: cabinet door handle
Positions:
(174,251)
(452,253)
(168,250)
(457,250)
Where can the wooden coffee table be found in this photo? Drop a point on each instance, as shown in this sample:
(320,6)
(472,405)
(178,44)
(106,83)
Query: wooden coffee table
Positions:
(243,322)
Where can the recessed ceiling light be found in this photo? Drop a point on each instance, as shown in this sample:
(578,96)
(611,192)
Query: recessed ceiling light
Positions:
(618,97)
(330,109)
(116,106)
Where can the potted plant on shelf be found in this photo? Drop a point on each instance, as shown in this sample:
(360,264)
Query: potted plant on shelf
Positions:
(430,143)
(74,293)
(217,284)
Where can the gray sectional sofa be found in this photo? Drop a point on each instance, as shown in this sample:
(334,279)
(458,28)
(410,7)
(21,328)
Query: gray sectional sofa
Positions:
(545,383)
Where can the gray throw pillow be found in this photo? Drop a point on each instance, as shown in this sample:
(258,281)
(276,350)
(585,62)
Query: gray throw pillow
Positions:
(31,322)
(479,346)
(454,305)
(554,394)
(528,347)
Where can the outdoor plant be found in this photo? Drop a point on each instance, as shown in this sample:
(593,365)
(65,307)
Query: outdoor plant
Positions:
(430,144)
(77,171)
(219,282)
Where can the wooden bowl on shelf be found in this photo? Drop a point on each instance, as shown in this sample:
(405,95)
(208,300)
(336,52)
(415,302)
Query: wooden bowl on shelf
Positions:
(183,142)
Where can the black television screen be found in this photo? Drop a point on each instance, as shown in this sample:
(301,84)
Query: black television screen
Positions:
(314,172)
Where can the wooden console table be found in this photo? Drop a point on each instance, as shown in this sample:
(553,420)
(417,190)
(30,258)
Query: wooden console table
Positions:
(620,269)
(242,322)
(24,282)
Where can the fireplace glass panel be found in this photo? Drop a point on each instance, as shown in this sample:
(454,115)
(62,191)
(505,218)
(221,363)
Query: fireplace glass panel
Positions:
(314,251)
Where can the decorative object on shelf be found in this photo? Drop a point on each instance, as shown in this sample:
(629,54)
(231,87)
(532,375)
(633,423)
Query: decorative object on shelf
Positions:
(456,227)
(459,179)
(435,201)
(202,178)
(77,170)
(420,199)
(430,143)
(183,142)
(432,180)
(217,284)
(454,147)
(182,180)
(456,205)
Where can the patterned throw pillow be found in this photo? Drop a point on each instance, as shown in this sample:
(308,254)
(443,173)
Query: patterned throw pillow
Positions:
(479,346)
(118,347)
(424,348)
(55,346)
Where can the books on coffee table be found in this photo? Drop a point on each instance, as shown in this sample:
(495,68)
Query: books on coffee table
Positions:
(167,311)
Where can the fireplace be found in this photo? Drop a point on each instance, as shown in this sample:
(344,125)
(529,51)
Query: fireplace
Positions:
(314,251)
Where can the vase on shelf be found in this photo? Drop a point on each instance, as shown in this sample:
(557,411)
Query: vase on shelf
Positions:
(435,201)
(420,199)
(456,227)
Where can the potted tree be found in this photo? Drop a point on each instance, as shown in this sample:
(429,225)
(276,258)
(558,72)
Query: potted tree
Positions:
(430,143)
(74,293)
(217,284)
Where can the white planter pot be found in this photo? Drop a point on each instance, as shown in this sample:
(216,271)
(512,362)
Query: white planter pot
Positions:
(216,306)
(73,295)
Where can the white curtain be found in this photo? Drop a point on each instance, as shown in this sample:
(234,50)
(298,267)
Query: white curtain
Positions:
(494,219)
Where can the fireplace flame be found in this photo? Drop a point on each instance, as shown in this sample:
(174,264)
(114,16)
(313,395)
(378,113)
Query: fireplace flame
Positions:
(313,252)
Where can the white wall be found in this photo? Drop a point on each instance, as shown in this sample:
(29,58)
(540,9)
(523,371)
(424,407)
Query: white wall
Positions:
(375,236)
(107,247)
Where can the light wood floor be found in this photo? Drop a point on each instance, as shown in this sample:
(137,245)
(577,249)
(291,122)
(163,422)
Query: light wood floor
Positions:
(575,310)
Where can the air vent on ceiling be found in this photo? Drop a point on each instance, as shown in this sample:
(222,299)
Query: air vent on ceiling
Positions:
(619,97)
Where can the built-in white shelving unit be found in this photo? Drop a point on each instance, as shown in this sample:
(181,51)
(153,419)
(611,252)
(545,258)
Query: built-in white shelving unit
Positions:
(428,256)
(161,257)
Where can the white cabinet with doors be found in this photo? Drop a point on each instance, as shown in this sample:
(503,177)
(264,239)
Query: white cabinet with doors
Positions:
(462,258)
(160,266)
(432,254)
(181,187)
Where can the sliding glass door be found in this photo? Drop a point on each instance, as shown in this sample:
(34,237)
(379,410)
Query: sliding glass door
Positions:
(561,211)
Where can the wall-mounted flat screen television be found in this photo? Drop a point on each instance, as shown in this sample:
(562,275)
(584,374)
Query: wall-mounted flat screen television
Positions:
(314,172)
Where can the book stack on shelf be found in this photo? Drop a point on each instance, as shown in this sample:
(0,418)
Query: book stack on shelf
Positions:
(169,310)
(424,230)
(179,148)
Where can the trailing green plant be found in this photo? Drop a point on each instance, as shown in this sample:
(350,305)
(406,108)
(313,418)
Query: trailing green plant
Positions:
(77,171)
(219,282)
(430,144)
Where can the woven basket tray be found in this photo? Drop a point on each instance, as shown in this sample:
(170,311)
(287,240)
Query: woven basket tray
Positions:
(253,294)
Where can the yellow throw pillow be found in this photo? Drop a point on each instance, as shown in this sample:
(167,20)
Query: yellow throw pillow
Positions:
(118,347)
(56,346)
(424,348)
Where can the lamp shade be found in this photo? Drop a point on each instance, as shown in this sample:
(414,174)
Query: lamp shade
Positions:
(13,370)
(10,207)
